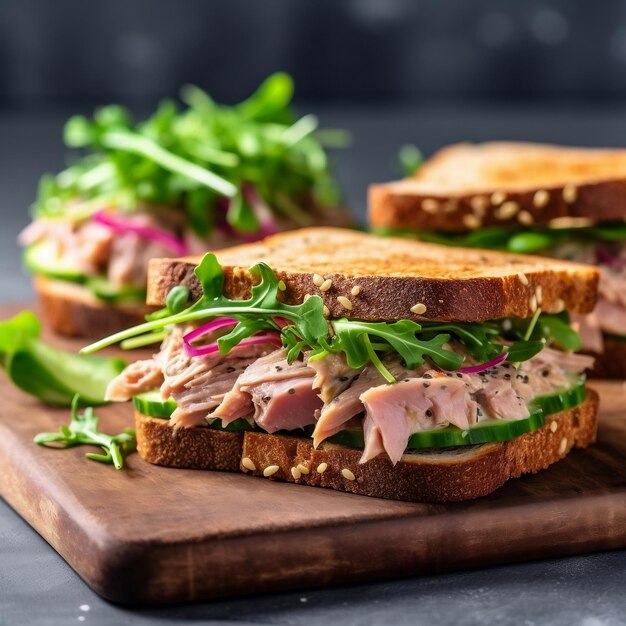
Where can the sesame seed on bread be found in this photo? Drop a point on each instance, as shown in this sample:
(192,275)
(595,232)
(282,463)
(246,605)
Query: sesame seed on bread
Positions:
(446,475)
(393,277)
(466,186)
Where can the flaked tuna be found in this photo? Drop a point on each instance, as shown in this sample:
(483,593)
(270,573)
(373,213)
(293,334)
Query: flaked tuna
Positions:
(138,377)
(394,412)
(348,404)
(280,394)
(333,375)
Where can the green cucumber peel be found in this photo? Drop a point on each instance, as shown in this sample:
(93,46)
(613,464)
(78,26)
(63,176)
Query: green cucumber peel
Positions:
(486,431)
(53,376)
(151,404)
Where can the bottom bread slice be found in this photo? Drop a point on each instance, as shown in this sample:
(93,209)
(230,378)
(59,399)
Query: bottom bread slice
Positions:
(447,475)
(73,311)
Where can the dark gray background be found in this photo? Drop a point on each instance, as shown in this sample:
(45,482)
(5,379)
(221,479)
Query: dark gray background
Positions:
(391,72)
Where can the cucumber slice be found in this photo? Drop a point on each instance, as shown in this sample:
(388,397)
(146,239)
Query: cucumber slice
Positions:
(104,290)
(42,258)
(484,432)
(150,403)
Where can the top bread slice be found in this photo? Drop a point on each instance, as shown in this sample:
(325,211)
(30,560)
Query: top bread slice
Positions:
(370,278)
(466,186)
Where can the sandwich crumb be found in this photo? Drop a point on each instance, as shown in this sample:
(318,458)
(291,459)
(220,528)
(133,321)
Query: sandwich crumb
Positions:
(322,467)
(507,210)
(553,426)
(347,474)
(295,472)
(498,197)
(525,217)
(326,285)
(281,285)
(270,470)
(570,193)
(533,303)
(418,308)
(539,294)
(326,311)
(317,280)
(560,305)
(248,463)
(345,303)
(472,221)
(522,278)
(429,205)
(356,290)
(541,198)
(303,468)
(307,296)
(563,445)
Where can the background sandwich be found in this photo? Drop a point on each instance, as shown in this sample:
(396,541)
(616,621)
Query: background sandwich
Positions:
(181,182)
(383,367)
(568,203)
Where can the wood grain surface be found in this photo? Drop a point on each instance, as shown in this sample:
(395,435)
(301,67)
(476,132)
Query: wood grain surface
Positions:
(149,534)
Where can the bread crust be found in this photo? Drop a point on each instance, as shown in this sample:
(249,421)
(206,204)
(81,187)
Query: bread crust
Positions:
(72,311)
(463,474)
(572,182)
(393,275)
(192,448)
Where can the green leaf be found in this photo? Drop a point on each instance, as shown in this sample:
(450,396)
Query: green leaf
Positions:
(53,376)
(524,350)
(241,216)
(83,430)
(272,96)
(177,298)
(528,242)
(559,330)
(411,159)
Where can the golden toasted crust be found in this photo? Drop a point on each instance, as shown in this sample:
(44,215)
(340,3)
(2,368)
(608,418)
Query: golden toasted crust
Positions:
(71,310)
(612,362)
(465,186)
(393,275)
(447,476)
(192,448)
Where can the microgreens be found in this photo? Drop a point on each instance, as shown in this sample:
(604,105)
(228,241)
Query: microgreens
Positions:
(83,430)
(361,342)
(201,158)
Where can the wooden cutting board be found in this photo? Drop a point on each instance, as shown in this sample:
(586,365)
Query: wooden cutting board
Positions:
(148,534)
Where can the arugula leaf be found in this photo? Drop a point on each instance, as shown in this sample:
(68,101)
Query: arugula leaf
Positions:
(52,375)
(361,342)
(401,336)
(83,430)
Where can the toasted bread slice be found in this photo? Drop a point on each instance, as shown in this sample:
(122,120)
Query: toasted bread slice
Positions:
(446,475)
(392,276)
(71,310)
(465,186)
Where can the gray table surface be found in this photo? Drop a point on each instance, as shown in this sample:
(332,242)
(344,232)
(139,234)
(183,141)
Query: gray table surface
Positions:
(38,587)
